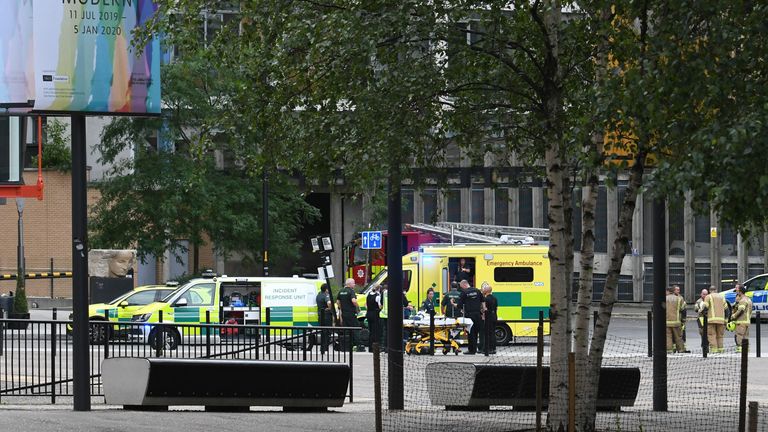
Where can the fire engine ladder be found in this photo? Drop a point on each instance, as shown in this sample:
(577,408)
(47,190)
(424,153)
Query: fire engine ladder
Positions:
(457,234)
(497,230)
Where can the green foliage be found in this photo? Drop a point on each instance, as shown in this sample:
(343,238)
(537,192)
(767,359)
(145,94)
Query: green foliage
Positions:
(56,148)
(20,305)
(172,189)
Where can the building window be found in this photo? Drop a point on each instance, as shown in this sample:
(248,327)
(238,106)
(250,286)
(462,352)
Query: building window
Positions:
(501,206)
(10,155)
(701,234)
(478,206)
(676,226)
(453,204)
(526,207)
(407,214)
(429,198)
(601,221)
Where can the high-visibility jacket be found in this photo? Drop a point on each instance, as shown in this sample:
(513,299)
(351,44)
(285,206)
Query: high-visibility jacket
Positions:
(675,305)
(743,312)
(716,308)
(384,305)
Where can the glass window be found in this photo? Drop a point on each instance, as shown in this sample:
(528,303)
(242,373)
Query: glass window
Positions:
(199,295)
(729,242)
(513,274)
(453,204)
(10,157)
(501,206)
(478,206)
(701,234)
(601,221)
(757,283)
(141,298)
(676,226)
(407,214)
(429,198)
(526,207)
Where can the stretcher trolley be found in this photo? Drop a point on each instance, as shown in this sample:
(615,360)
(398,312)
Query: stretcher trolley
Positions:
(446,333)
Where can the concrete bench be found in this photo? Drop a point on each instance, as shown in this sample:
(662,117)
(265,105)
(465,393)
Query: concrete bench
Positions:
(141,383)
(460,386)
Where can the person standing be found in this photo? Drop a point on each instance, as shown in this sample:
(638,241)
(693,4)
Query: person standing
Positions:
(683,314)
(491,316)
(700,308)
(715,306)
(463,271)
(347,303)
(742,314)
(450,301)
(324,316)
(675,305)
(471,301)
(372,310)
(428,305)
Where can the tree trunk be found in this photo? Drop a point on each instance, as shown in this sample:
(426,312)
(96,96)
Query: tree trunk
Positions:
(617,253)
(557,417)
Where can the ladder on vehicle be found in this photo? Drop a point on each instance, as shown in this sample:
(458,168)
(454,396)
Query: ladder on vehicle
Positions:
(480,233)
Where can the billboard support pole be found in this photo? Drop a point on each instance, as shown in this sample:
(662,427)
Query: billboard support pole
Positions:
(81,375)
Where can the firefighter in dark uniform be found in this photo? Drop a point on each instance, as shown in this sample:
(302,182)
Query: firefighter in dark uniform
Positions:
(450,302)
(347,303)
(324,316)
(472,301)
(491,316)
(372,309)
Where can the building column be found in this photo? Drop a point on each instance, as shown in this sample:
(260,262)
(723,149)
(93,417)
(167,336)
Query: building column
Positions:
(336,230)
(689,244)
(742,258)
(514,206)
(442,205)
(537,202)
(638,269)
(715,265)
(465,195)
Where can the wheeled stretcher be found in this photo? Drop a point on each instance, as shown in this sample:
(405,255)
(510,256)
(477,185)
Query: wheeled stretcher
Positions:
(447,331)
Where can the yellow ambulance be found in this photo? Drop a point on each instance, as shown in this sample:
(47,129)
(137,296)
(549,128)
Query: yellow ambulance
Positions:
(518,274)
(228,300)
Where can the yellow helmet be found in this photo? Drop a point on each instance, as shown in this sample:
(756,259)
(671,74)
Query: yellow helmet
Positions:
(731,326)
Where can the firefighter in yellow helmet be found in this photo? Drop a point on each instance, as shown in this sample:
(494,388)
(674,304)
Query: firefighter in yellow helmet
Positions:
(741,316)
(675,305)
(715,306)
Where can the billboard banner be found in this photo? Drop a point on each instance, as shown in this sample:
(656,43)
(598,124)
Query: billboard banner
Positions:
(84,60)
(16,53)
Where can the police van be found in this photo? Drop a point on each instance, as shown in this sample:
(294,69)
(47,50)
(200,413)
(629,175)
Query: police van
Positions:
(518,274)
(230,300)
(754,288)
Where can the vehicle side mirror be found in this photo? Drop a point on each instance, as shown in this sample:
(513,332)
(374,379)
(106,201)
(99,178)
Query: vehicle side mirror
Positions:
(124,303)
(180,302)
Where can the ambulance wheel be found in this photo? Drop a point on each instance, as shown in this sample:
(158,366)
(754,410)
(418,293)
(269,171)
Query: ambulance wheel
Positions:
(503,334)
(165,338)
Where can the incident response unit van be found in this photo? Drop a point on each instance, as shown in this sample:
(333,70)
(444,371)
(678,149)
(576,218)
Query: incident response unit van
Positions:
(518,274)
(230,300)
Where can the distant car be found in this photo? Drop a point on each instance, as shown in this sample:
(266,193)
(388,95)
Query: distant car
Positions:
(756,289)
(123,308)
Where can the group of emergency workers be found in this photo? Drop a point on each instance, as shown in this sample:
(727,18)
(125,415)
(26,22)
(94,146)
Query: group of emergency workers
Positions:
(719,316)
(479,305)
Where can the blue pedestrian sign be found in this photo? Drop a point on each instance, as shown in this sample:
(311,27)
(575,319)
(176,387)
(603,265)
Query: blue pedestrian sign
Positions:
(371,239)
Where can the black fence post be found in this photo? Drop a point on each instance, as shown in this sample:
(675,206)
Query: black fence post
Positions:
(267,336)
(53,357)
(743,385)
(51,274)
(650,334)
(539,370)
(377,385)
(351,366)
(705,336)
(757,333)
(208,334)
(432,335)
(752,417)
(304,347)
(159,336)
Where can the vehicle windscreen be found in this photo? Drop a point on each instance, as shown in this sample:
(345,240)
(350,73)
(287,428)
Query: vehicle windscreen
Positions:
(176,291)
(380,279)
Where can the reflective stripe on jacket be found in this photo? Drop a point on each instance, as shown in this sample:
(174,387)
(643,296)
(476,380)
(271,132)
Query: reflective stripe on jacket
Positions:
(716,308)
(743,313)
(675,305)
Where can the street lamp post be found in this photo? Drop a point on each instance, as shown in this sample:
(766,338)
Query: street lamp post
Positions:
(20,282)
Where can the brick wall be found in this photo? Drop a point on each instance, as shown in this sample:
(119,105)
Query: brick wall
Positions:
(47,234)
